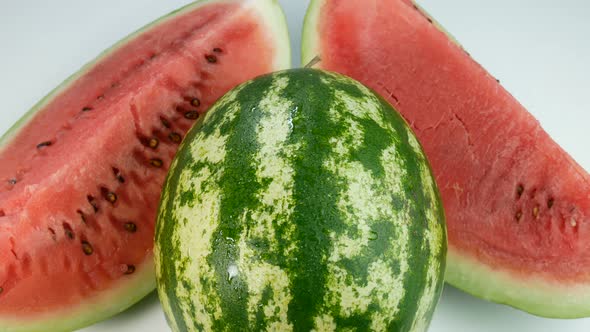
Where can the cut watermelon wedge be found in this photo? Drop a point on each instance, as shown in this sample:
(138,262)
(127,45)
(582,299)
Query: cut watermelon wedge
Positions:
(81,172)
(517,205)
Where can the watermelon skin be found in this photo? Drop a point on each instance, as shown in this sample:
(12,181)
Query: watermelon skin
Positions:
(302,201)
(80,183)
(517,205)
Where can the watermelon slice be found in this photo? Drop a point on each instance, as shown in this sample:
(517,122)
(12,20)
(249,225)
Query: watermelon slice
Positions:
(517,205)
(81,172)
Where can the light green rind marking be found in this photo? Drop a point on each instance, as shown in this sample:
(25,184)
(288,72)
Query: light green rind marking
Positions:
(393,172)
(240,186)
(193,253)
(188,221)
(365,201)
(435,239)
(275,175)
(325,323)
(178,220)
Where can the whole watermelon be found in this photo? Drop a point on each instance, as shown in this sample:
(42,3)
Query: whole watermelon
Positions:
(302,201)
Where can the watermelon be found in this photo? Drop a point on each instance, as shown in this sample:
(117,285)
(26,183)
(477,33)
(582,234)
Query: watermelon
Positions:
(81,173)
(517,205)
(302,201)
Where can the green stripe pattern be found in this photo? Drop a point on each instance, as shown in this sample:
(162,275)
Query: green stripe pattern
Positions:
(301,202)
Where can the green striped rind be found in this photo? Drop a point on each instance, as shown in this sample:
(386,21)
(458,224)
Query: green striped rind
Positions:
(302,201)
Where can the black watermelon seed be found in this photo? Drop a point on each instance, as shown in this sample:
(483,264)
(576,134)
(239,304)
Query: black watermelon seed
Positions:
(211,58)
(92,202)
(118,175)
(108,195)
(217,50)
(196,102)
(175,137)
(86,109)
(191,115)
(82,216)
(68,231)
(87,248)
(12,181)
(111,197)
(519,190)
(165,122)
(52,231)
(130,227)
(156,162)
(44,144)
(550,203)
(151,142)
(130,269)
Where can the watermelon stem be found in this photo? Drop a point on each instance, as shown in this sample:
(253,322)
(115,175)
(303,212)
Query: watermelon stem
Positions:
(317,59)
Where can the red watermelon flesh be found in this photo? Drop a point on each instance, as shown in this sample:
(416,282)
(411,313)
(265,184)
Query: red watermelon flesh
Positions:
(517,204)
(81,173)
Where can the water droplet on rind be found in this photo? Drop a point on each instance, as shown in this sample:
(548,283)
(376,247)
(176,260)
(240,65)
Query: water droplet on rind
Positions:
(232,272)
(292,115)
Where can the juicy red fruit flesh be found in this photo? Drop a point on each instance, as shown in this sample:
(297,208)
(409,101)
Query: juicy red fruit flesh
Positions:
(81,181)
(513,198)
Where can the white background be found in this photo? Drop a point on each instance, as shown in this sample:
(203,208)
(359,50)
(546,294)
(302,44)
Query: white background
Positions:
(539,49)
